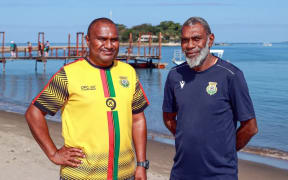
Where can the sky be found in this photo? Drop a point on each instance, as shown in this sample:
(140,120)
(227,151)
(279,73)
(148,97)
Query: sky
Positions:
(230,20)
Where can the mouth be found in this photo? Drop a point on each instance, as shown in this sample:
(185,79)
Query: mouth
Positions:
(192,54)
(107,52)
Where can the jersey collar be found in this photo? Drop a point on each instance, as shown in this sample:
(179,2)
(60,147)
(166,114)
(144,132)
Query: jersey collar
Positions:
(99,67)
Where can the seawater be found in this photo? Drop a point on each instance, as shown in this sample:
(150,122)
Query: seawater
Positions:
(265,69)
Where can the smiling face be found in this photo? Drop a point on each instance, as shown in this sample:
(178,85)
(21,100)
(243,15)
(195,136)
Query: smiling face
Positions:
(103,43)
(195,44)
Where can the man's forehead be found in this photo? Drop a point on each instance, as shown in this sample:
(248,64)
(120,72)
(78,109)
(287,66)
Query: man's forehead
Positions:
(194,27)
(193,30)
(103,28)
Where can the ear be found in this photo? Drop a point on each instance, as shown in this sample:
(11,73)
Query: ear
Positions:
(211,38)
(87,40)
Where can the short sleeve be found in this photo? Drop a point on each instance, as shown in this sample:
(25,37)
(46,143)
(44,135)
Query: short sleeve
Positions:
(169,101)
(140,101)
(241,102)
(54,94)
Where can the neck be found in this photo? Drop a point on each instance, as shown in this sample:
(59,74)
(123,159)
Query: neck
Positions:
(208,62)
(99,63)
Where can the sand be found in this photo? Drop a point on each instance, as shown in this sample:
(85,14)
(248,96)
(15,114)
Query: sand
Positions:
(22,158)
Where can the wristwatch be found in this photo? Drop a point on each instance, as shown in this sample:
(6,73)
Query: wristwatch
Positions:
(144,164)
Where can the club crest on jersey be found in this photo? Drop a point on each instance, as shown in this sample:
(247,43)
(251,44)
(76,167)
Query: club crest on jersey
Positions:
(124,81)
(211,89)
(111,103)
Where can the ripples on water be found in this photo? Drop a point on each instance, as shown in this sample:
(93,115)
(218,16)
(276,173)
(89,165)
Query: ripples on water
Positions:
(265,69)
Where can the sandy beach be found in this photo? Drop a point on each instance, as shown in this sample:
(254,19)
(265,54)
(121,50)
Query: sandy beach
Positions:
(22,158)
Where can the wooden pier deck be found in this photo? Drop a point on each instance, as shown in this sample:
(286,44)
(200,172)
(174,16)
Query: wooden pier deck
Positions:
(139,54)
(134,60)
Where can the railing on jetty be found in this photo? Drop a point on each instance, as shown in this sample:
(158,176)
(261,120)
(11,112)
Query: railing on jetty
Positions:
(146,51)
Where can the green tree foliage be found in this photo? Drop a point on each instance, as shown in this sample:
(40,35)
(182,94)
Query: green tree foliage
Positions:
(170,31)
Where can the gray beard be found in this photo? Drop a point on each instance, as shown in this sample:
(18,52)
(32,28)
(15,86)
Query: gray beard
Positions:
(199,60)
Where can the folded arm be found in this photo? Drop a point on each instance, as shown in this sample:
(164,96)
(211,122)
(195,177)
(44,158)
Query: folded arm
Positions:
(170,122)
(245,132)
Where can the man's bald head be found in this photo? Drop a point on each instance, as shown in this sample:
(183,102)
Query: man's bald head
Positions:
(99,21)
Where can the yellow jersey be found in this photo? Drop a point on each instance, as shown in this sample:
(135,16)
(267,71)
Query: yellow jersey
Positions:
(96,108)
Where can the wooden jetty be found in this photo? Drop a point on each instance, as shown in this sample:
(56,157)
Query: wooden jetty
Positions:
(148,54)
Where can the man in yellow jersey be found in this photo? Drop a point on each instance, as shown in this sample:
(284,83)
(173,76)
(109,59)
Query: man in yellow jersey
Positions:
(102,104)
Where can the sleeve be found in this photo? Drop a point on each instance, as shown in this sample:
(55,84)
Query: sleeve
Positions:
(169,101)
(54,94)
(140,101)
(241,102)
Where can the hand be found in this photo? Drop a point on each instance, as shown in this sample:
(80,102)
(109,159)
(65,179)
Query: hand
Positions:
(68,157)
(140,173)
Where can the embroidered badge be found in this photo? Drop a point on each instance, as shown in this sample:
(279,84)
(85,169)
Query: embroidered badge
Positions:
(211,89)
(111,103)
(182,83)
(124,81)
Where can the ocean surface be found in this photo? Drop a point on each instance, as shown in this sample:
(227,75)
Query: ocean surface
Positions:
(265,69)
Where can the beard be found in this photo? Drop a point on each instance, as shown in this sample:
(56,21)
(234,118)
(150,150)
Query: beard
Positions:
(198,60)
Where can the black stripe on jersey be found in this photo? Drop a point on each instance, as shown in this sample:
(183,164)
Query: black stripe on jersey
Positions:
(55,94)
(139,102)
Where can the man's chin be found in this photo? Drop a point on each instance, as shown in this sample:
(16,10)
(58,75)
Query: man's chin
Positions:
(107,56)
(194,62)
(108,59)
(191,60)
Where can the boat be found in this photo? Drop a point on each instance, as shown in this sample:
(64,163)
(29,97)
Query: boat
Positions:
(266,44)
(222,44)
(177,57)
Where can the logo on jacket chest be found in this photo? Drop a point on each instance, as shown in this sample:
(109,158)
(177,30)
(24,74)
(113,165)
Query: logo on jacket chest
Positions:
(211,89)
(182,83)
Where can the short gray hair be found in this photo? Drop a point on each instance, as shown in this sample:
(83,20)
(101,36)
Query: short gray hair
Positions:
(194,20)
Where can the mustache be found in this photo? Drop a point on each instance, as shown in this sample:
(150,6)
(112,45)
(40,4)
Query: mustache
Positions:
(108,50)
(194,50)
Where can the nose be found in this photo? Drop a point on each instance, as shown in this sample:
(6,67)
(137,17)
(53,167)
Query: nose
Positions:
(191,44)
(108,44)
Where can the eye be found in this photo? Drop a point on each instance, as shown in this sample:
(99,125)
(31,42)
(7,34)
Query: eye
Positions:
(184,40)
(102,39)
(114,40)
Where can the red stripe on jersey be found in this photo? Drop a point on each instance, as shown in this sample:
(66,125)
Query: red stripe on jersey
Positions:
(46,86)
(52,79)
(104,83)
(144,93)
(111,146)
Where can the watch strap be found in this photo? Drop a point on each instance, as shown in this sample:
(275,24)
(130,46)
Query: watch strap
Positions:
(144,164)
